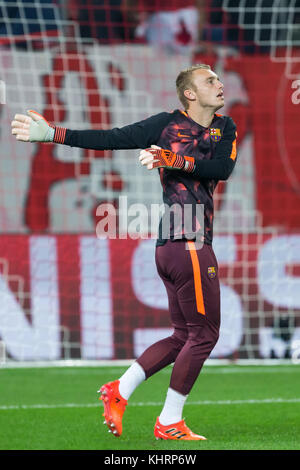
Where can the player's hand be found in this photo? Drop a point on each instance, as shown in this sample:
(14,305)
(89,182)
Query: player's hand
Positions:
(156,157)
(32,128)
(147,157)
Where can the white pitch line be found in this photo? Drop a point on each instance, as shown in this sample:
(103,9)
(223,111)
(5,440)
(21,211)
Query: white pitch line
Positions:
(151,403)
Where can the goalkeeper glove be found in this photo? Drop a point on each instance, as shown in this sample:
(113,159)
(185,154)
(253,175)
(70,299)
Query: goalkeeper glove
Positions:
(155,157)
(35,128)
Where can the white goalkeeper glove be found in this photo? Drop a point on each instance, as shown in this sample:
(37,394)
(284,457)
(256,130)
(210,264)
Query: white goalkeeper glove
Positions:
(32,128)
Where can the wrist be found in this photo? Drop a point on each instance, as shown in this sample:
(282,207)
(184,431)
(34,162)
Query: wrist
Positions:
(186,164)
(59,134)
(189,164)
(50,134)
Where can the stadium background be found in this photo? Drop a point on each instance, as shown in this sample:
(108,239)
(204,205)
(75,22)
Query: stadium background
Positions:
(66,294)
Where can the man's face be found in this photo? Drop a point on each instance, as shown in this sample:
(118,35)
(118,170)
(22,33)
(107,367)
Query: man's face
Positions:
(208,90)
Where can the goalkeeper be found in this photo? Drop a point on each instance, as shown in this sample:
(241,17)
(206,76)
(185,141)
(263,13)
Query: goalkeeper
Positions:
(193,149)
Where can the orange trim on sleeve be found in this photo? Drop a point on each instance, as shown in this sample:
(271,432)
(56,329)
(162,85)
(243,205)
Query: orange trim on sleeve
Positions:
(197,278)
(233,151)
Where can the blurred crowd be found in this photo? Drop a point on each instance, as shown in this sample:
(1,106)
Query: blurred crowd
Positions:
(175,26)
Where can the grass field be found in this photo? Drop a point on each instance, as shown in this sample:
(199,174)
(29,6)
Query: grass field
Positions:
(235,407)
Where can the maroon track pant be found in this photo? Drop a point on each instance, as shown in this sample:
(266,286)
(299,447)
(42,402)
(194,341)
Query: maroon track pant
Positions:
(191,279)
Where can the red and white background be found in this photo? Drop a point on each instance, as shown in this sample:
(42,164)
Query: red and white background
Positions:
(67,294)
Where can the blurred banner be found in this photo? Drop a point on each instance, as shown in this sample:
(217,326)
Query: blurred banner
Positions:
(70,296)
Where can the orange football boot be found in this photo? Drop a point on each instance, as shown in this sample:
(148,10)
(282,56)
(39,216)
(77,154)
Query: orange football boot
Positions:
(114,407)
(177,431)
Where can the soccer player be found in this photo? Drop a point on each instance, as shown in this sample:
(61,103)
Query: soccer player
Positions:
(193,149)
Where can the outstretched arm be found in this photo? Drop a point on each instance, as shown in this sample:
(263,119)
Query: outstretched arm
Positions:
(142,134)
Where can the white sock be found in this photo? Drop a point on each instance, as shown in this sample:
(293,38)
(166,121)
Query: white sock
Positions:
(131,379)
(172,410)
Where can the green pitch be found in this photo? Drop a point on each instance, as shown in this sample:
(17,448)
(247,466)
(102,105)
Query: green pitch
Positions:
(235,407)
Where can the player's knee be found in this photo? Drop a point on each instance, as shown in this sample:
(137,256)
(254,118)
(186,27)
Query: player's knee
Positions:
(203,338)
(180,336)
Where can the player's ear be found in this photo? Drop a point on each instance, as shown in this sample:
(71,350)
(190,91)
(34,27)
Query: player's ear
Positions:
(189,94)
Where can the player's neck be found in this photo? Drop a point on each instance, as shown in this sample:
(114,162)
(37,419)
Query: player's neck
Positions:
(202,116)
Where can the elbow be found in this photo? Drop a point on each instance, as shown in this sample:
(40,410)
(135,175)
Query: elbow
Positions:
(226,171)
(225,175)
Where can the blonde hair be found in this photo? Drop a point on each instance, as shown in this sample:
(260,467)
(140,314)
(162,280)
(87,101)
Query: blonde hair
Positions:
(185,81)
